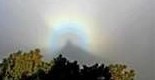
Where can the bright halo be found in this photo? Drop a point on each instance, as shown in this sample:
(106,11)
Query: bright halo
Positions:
(80,30)
(68,31)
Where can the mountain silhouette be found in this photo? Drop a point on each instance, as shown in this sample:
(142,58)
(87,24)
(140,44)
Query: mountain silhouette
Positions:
(74,52)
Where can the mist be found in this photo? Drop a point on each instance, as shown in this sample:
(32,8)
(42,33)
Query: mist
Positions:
(127,24)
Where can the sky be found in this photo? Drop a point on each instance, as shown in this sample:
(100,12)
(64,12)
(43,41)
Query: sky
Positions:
(120,31)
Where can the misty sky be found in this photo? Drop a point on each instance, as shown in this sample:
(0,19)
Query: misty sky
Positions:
(125,25)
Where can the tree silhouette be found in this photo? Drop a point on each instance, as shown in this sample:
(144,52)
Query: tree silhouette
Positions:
(95,72)
(64,70)
(29,66)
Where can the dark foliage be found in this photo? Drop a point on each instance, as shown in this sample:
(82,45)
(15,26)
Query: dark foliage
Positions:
(0,77)
(66,70)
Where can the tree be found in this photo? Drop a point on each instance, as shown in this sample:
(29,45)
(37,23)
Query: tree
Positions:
(95,72)
(121,72)
(30,66)
(63,69)
(18,63)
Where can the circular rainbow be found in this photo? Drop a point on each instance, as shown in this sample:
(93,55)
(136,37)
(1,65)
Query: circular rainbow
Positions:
(78,29)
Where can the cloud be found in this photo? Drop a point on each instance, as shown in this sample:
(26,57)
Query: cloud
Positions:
(126,24)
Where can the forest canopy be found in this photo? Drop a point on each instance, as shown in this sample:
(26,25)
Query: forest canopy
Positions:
(30,66)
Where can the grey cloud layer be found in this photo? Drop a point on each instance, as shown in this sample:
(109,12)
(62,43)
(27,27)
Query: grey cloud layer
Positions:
(128,22)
